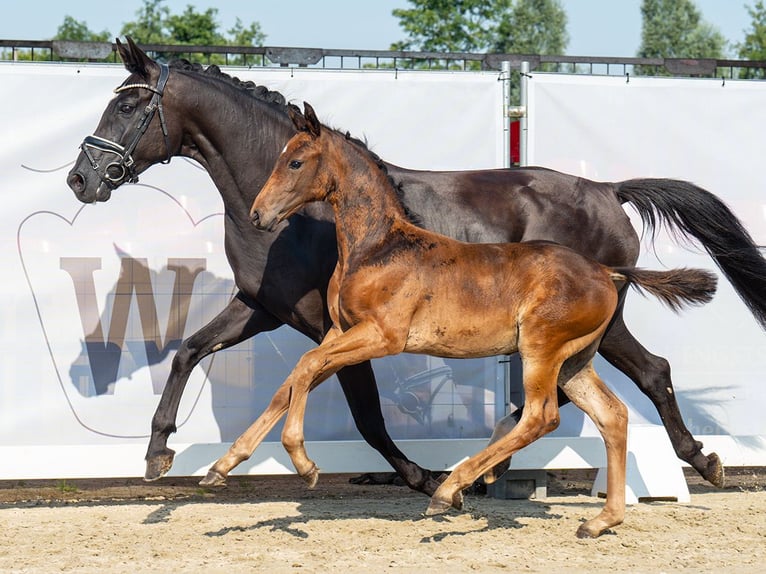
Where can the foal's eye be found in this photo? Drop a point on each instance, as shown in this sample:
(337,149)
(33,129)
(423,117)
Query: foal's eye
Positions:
(295,164)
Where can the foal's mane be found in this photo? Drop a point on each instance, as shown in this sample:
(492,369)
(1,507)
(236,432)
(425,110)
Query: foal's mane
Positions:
(413,217)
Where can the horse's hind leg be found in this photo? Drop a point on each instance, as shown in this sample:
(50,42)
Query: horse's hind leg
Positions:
(238,321)
(652,375)
(590,394)
(358,383)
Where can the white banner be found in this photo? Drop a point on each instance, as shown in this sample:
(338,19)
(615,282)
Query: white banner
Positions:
(96,298)
(709,132)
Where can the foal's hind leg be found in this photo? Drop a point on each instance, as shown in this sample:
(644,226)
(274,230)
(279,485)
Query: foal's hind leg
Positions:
(652,375)
(589,393)
(540,416)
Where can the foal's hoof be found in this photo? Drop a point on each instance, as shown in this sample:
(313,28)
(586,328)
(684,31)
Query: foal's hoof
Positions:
(158,466)
(213,478)
(714,473)
(585,532)
(312,476)
(440,505)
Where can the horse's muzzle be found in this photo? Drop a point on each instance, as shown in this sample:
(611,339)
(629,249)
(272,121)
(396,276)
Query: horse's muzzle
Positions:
(79,185)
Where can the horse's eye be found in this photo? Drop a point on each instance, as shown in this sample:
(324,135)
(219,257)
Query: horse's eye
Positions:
(126,108)
(295,164)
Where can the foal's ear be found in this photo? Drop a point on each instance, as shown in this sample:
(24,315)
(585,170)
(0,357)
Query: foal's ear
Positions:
(306,122)
(297,118)
(311,119)
(135,59)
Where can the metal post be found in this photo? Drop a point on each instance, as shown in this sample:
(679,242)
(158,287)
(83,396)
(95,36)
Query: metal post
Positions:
(523,120)
(505,75)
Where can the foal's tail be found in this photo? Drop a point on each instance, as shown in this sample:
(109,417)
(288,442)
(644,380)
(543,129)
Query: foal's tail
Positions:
(677,288)
(690,211)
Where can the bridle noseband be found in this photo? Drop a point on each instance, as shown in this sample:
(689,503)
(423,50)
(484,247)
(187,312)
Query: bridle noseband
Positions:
(123,169)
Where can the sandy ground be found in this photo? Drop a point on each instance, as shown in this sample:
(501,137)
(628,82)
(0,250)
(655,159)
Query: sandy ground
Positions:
(275,524)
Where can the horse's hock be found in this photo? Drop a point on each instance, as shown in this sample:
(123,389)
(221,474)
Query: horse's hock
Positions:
(653,470)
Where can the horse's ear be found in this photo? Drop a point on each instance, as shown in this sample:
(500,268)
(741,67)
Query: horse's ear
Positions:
(311,120)
(135,59)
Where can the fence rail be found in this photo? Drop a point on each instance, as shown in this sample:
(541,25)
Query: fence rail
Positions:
(269,56)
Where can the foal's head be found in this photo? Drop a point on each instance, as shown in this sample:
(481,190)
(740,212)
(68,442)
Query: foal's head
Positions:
(298,176)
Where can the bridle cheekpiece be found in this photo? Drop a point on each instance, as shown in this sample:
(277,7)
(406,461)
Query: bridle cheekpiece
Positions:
(123,168)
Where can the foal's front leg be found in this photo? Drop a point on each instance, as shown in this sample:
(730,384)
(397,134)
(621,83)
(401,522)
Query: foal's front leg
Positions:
(361,342)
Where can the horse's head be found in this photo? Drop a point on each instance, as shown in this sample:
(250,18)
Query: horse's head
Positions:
(132,134)
(296,178)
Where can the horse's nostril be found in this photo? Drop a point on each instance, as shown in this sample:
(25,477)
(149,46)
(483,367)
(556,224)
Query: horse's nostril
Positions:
(76,182)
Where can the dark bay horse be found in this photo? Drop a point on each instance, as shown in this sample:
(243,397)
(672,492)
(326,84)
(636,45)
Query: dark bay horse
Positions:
(400,288)
(236,130)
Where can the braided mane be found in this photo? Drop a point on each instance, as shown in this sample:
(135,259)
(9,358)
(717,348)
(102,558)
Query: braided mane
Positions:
(273,97)
(213,71)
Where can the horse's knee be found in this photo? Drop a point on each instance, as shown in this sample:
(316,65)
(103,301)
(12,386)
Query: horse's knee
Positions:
(186,357)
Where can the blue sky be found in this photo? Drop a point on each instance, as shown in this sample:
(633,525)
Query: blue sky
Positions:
(596,27)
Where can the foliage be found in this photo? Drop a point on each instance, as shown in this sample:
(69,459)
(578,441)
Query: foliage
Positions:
(754,46)
(675,29)
(533,27)
(72,29)
(156,25)
(500,26)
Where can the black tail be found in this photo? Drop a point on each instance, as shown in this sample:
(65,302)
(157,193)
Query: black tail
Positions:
(691,211)
(677,288)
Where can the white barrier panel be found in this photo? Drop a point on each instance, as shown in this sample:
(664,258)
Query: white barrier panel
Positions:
(711,133)
(94,298)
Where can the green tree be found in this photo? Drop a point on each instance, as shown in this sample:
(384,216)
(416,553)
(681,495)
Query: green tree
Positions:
(155,24)
(72,29)
(754,46)
(533,27)
(675,29)
(504,26)
(149,26)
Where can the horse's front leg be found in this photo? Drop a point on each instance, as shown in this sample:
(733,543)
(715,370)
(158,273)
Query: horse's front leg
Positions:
(240,319)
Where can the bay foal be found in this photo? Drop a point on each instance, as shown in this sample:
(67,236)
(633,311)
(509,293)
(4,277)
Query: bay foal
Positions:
(400,288)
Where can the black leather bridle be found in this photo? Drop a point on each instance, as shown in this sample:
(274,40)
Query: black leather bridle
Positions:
(123,168)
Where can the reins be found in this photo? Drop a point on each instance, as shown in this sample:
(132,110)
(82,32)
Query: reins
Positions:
(118,172)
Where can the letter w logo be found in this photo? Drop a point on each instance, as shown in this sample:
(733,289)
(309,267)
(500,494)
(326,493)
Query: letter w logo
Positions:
(135,279)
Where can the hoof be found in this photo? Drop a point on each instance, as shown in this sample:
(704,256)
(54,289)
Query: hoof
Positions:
(439,505)
(584,532)
(714,473)
(311,477)
(213,478)
(158,466)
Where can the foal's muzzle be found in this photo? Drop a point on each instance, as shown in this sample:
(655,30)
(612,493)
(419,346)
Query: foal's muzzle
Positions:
(263,224)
